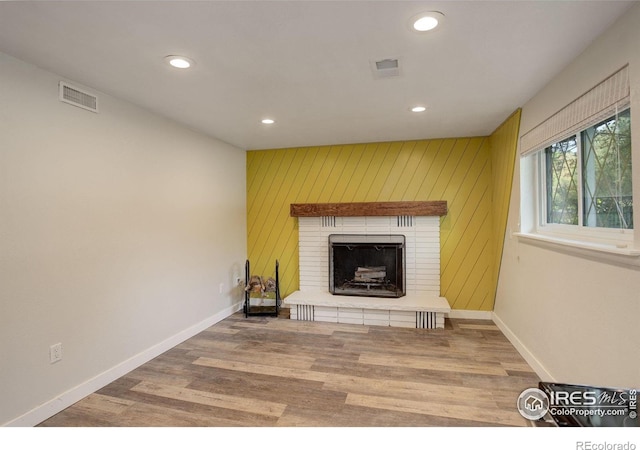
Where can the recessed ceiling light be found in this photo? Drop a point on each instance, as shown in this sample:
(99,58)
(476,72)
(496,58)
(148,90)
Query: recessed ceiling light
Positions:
(179,62)
(427,21)
(418,109)
(268,121)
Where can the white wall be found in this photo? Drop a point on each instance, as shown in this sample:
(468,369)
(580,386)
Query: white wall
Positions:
(116,231)
(576,317)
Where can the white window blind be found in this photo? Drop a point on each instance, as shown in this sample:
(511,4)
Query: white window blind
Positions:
(600,102)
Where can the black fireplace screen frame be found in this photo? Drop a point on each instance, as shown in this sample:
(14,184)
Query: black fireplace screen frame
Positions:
(367,253)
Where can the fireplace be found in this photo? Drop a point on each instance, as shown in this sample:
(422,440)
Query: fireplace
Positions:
(367,265)
(402,293)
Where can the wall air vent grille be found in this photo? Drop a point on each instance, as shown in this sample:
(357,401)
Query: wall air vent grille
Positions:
(328,221)
(404,221)
(77,97)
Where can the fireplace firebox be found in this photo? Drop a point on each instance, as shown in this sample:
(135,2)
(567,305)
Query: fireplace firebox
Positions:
(367,265)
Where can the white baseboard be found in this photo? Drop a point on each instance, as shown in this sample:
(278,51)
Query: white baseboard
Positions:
(68,398)
(536,365)
(469,314)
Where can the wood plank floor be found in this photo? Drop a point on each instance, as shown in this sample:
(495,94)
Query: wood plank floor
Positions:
(261,371)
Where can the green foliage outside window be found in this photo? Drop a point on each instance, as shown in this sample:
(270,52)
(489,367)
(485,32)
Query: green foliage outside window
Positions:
(608,196)
(562,182)
(604,185)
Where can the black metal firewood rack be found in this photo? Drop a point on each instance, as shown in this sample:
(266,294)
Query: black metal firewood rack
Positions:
(254,301)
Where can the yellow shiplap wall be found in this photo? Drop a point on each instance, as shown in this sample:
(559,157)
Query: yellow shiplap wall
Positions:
(503,142)
(474,176)
(455,170)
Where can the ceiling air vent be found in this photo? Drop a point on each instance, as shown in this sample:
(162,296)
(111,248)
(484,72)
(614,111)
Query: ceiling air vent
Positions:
(385,68)
(78,97)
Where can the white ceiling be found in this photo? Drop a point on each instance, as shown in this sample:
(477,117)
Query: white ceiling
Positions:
(307,64)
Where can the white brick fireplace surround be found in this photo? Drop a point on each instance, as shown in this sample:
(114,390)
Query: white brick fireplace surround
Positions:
(421,307)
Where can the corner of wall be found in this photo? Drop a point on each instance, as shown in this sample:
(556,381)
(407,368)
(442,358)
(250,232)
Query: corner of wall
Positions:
(503,144)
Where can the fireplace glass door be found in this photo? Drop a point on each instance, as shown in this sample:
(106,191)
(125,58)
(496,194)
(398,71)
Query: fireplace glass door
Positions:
(367,265)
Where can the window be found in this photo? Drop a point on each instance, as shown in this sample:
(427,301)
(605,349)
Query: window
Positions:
(561,170)
(576,173)
(587,177)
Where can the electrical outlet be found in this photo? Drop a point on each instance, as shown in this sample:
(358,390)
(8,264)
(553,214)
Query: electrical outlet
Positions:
(55,353)
(221,288)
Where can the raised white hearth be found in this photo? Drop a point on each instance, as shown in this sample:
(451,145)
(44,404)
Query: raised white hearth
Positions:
(421,307)
(410,311)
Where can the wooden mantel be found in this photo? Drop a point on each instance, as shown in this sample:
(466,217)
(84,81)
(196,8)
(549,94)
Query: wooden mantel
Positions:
(428,208)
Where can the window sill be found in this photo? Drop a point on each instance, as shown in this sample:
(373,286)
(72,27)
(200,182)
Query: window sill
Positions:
(600,251)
